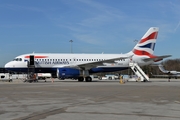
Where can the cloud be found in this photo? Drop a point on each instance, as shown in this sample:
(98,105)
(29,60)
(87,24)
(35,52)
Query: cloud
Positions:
(88,38)
(98,21)
(177,26)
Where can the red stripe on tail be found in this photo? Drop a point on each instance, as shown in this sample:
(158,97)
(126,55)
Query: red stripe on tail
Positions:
(151,36)
(141,52)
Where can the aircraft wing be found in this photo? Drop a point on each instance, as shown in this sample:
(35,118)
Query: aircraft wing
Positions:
(156,58)
(166,75)
(98,63)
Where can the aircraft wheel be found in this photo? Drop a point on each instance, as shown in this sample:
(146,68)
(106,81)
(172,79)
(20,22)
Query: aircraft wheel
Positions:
(80,79)
(144,80)
(88,79)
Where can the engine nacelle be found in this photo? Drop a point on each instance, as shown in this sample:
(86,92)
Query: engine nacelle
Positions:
(63,73)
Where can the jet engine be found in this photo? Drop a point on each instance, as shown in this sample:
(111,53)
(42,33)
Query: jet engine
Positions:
(63,73)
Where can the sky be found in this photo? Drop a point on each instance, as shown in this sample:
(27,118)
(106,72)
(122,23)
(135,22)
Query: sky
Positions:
(95,26)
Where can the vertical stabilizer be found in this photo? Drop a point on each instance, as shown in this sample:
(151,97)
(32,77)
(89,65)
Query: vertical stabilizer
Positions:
(145,47)
(162,69)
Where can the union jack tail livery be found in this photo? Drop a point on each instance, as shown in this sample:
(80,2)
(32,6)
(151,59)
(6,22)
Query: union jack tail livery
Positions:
(146,45)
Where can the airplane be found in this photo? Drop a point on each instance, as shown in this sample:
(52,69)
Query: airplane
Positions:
(170,74)
(81,66)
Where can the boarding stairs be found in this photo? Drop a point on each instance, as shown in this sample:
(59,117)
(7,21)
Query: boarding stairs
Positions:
(139,72)
(31,76)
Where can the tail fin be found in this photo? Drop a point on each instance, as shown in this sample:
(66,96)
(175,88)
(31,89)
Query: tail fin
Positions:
(145,47)
(162,69)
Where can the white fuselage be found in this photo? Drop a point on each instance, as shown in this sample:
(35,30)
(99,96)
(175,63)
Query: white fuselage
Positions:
(47,60)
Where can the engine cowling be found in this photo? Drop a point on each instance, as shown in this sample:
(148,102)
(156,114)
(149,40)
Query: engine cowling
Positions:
(63,73)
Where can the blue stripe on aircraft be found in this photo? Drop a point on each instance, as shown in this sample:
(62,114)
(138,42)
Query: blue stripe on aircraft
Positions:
(150,45)
(54,70)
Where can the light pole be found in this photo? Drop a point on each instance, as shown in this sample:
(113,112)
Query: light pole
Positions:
(71,44)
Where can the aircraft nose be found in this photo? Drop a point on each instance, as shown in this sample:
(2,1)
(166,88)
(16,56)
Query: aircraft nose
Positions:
(8,65)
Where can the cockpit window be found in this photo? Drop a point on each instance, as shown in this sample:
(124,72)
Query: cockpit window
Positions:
(17,59)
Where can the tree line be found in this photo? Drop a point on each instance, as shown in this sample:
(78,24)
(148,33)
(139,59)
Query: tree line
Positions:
(150,70)
(169,64)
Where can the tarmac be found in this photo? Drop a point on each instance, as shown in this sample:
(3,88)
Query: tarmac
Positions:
(97,100)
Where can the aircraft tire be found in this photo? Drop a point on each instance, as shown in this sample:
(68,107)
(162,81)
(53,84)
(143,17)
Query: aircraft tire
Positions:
(88,79)
(80,79)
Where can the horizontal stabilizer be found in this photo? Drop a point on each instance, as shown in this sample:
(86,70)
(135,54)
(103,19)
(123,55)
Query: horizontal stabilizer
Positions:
(156,58)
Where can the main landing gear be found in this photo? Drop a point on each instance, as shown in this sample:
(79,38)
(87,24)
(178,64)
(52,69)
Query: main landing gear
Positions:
(87,79)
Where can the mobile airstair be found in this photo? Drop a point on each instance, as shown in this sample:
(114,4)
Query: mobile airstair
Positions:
(31,76)
(139,72)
